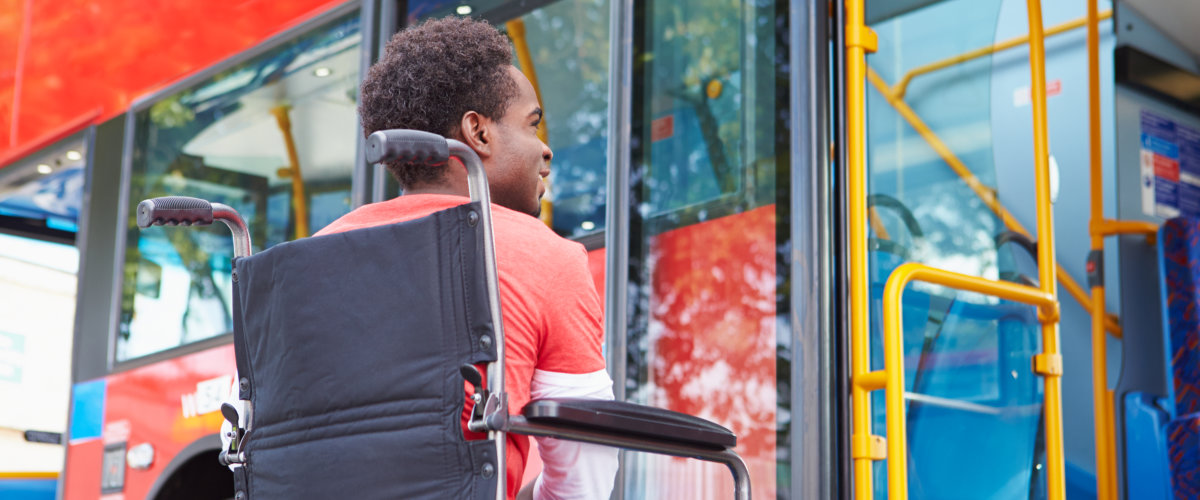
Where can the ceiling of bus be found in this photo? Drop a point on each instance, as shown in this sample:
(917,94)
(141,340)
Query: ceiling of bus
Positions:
(1176,18)
(323,125)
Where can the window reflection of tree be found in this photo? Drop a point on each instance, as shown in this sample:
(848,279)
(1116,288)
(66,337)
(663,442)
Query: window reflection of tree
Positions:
(709,263)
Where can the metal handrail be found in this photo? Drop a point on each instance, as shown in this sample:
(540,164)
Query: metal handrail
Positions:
(901,88)
(299,199)
(891,378)
(1049,363)
(516,32)
(865,448)
(1099,227)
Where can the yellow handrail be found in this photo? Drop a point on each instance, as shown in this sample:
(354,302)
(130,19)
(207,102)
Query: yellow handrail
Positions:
(1105,448)
(28,475)
(1109,227)
(893,348)
(902,87)
(865,448)
(1048,364)
(1099,227)
(516,33)
(292,171)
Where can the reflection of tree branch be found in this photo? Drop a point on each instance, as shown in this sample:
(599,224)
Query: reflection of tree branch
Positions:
(204,287)
(709,129)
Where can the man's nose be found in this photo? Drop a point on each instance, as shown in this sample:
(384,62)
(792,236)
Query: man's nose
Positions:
(547,155)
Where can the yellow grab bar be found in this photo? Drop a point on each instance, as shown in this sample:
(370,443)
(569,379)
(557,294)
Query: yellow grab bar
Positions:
(893,348)
(299,199)
(1099,227)
(1103,428)
(902,88)
(516,33)
(865,448)
(28,475)
(1049,363)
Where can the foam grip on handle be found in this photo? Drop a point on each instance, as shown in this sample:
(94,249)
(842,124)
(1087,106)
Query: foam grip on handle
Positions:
(174,210)
(407,146)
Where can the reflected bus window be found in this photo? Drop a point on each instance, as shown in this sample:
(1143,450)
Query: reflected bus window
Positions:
(274,138)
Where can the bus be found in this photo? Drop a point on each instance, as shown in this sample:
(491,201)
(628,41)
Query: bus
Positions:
(855,233)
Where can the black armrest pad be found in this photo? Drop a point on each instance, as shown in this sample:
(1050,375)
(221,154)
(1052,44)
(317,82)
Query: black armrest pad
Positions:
(621,417)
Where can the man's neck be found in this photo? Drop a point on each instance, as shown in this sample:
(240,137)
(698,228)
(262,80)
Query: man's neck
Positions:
(429,189)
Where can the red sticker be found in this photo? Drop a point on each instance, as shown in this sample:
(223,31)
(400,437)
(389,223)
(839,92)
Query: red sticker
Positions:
(662,128)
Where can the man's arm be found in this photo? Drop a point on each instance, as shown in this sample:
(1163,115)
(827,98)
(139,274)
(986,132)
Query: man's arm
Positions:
(570,364)
(572,469)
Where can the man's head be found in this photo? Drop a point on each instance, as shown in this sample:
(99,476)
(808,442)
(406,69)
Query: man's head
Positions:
(454,77)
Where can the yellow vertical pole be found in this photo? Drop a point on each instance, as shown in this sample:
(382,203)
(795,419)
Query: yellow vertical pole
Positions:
(865,447)
(1106,477)
(1049,362)
(299,199)
(516,33)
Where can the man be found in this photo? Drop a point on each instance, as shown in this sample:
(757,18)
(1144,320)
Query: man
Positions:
(454,77)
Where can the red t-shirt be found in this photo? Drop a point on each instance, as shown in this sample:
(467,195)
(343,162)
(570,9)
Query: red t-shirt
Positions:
(553,328)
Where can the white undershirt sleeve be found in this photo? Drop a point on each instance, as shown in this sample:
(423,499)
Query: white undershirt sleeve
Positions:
(573,470)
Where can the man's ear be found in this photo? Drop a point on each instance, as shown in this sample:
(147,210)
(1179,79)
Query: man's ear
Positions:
(476,131)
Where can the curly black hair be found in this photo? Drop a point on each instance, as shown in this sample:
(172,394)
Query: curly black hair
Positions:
(429,76)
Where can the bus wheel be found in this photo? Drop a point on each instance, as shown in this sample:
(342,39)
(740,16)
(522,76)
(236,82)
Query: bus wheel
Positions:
(200,478)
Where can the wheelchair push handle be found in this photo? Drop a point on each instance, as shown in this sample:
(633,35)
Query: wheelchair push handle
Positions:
(174,211)
(188,211)
(407,146)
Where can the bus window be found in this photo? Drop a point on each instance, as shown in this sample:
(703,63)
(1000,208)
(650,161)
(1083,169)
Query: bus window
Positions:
(274,138)
(710,291)
(566,44)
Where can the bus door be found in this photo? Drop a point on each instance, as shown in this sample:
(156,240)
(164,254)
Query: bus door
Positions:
(969,387)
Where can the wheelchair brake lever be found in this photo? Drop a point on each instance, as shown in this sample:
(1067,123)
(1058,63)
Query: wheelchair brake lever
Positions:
(472,376)
(233,454)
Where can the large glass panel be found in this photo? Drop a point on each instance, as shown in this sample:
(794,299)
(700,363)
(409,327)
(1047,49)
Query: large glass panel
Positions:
(971,390)
(275,139)
(708,326)
(562,47)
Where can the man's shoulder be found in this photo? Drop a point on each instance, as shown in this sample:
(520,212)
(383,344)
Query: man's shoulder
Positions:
(527,231)
(399,209)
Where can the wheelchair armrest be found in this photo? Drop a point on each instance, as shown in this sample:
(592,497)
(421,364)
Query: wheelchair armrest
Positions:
(624,418)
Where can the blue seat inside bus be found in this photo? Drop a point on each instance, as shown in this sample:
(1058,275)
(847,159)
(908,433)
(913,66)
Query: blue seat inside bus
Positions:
(969,389)
(1162,434)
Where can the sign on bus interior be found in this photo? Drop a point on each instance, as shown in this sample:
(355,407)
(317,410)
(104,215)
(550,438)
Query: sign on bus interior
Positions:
(1170,167)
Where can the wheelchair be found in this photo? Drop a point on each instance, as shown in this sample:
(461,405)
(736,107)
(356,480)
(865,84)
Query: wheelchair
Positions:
(352,351)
